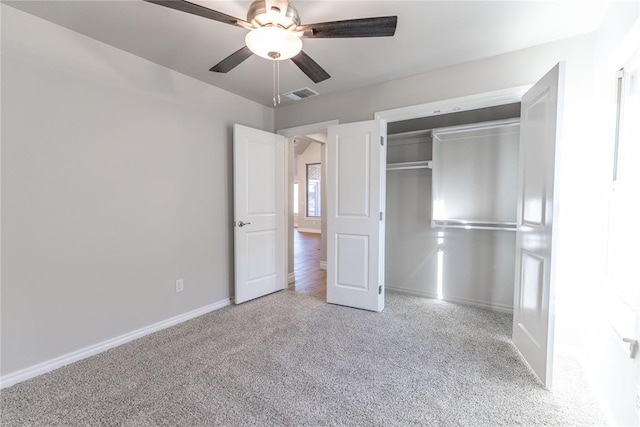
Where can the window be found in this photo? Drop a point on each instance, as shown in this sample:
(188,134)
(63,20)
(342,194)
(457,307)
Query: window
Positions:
(313,190)
(295,198)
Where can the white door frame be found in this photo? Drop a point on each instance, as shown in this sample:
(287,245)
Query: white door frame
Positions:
(291,133)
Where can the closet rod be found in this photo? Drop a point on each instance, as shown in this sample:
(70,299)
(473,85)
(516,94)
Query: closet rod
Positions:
(495,124)
(477,225)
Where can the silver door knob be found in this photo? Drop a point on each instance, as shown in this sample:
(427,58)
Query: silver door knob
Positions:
(242,224)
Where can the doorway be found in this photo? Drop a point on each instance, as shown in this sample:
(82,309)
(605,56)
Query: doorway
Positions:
(308,188)
(315,133)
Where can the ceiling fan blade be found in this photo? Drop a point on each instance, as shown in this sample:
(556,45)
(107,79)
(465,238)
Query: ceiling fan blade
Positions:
(196,9)
(310,67)
(232,61)
(384,26)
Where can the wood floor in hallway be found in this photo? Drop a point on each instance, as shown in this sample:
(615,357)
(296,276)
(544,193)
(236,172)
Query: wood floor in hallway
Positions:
(310,279)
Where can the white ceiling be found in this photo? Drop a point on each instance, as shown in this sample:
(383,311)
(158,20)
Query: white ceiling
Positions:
(430,34)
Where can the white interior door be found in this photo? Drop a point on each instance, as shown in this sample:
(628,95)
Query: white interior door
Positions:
(356,174)
(259,213)
(533,308)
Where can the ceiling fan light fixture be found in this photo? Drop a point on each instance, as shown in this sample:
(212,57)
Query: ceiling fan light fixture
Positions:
(273,43)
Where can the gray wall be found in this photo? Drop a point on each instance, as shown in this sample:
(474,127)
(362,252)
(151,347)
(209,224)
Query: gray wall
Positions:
(116,181)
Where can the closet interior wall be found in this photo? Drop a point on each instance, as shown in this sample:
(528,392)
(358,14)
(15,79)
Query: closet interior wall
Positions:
(474,267)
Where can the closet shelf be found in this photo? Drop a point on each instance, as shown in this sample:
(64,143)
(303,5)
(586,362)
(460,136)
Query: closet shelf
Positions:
(426,164)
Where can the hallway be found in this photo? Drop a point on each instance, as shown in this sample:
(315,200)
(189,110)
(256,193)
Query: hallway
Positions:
(310,279)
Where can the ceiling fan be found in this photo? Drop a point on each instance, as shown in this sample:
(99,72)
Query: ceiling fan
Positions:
(276,32)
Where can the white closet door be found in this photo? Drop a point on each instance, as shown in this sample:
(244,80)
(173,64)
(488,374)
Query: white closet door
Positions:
(356,173)
(533,308)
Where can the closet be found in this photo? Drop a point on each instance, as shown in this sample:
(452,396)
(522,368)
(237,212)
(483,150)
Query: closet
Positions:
(451,190)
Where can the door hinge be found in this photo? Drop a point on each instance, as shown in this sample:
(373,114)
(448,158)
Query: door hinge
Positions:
(381,216)
(381,140)
(379,289)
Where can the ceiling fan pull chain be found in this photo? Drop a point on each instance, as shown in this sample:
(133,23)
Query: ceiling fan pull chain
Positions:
(274,83)
(278,80)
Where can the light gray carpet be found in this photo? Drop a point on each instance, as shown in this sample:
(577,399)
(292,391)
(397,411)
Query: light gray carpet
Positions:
(290,359)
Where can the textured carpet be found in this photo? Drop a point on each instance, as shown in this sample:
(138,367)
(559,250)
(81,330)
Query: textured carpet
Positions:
(289,359)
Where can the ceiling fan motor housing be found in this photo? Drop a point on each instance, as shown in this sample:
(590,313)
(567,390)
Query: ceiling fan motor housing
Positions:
(273,13)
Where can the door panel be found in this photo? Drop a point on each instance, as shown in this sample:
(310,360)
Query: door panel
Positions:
(352,258)
(531,302)
(260,163)
(533,314)
(356,163)
(535,168)
(259,232)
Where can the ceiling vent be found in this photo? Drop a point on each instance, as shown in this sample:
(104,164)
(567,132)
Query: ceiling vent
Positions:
(299,94)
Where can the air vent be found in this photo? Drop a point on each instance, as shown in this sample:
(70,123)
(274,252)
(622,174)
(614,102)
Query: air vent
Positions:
(299,94)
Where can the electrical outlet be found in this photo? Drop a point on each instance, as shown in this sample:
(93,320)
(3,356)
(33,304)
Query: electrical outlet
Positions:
(179,285)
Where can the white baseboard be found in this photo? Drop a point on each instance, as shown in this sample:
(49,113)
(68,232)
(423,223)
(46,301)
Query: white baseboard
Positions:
(323,265)
(58,362)
(309,230)
(291,278)
(501,308)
